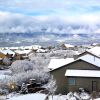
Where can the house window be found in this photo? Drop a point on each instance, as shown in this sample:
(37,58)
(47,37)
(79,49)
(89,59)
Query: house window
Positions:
(71,81)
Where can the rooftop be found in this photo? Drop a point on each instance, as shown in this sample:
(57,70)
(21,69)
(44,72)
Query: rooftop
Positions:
(82,73)
(56,63)
(91,59)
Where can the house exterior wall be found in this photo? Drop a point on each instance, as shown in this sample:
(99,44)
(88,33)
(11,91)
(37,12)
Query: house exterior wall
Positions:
(59,74)
(2,55)
(86,83)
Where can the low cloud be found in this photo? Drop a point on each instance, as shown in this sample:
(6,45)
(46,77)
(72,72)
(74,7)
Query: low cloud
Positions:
(19,23)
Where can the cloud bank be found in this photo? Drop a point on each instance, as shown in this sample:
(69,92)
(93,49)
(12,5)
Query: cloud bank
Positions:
(19,23)
(57,16)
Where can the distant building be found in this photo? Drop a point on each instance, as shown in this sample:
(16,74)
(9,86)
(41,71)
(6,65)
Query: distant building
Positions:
(67,46)
(6,53)
(22,54)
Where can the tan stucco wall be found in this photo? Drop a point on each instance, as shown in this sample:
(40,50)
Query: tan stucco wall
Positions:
(2,55)
(59,74)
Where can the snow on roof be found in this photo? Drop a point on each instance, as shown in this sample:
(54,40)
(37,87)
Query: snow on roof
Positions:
(95,50)
(91,59)
(13,48)
(8,51)
(28,47)
(23,51)
(56,63)
(82,73)
(35,47)
(68,45)
(41,51)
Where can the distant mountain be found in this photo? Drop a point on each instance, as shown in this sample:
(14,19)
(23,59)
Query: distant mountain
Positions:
(46,38)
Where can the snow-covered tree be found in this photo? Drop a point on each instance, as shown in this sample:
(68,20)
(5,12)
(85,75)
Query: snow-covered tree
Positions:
(24,70)
(6,61)
(51,85)
(20,66)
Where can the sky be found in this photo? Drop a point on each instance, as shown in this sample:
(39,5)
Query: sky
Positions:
(30,15)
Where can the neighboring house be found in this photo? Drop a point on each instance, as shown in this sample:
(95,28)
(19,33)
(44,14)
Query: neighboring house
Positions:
(26,47)
(6,53)
(42,51)
(95,50)
(81,73)
(36,47)
(85,53)
(67,46)
(13,48)
(1,61)
(22,54)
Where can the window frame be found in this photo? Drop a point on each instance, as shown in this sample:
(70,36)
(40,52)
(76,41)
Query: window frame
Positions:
(71,81)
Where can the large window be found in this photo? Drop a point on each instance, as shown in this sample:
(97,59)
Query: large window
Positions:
(71,81)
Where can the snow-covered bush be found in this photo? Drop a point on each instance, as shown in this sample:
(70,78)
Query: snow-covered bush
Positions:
(69,95)
(78,96)
(6,61)
(20,66)
(51,86)
(84,96)
(24,70)
(24,77)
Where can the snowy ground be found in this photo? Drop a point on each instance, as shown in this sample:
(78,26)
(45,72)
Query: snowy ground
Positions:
(39,96)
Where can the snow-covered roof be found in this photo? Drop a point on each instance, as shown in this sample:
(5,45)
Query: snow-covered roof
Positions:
(41,51)
(68,45)
(95,50)
(23,51)
(82,73)
(13,48)
(28,47)
(35,47)
(56,63)
(91,59)
(2,77)
(8,51)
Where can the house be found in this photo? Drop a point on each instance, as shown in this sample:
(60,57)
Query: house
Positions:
(22,54)
(80,73)
(95,50)
(36,47)
(13,48)
(85,53)
(6,53)
(42,51)
(67,46)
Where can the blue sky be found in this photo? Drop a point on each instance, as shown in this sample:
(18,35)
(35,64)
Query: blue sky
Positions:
(16,15)
(51,7)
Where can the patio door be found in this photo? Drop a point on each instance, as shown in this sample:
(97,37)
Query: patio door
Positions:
(94,85)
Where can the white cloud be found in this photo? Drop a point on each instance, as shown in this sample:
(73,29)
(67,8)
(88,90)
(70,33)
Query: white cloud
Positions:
(19,23)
